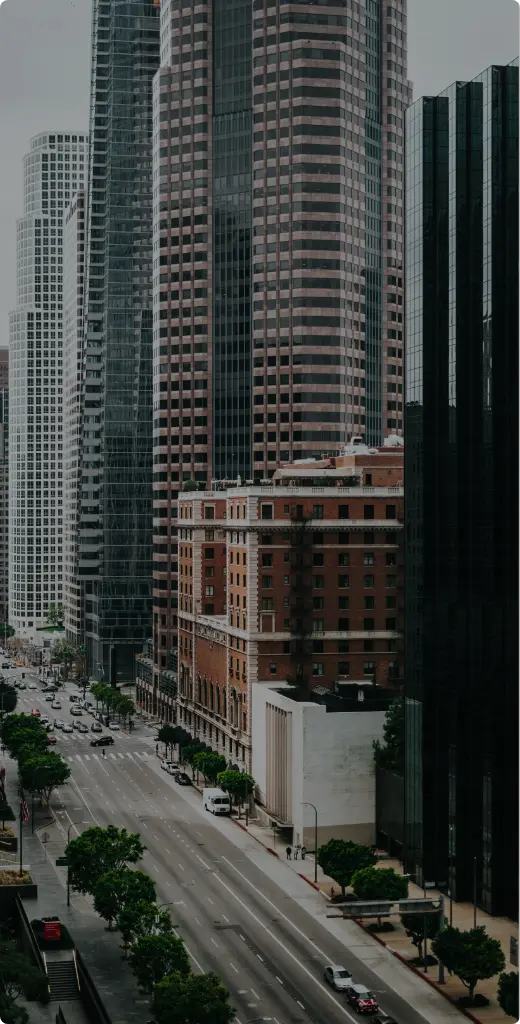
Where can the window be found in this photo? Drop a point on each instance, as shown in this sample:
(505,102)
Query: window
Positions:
(267,559)
(343,602)
(343,647)
(209,512)
(369,538)
(210,571)
(391,581)
(390,538)
(317,538)
(272,669)
(210,591)
(286,581)
(343,668)
(317,625)
(391,625)
(368,479)
(343,512)
(317,511)
(267,582)
(391,602)
(390,512)
(343,538)
(368,581)
(343,558)
(317,668)
(368,646)
(368,558)
(209,609)
(368,511)
(318,602)
(369,603)
(210,534)
(267,604)
(317,646)
(267,513)
(369,668)
(368,624)
(343,581)
(318,582)
(343,625)
(210,552)
(317,558)
(266,538)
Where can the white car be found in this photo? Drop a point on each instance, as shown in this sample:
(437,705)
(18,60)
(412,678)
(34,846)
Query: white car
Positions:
(114,726)
(338,977)
(32,686)
(169,766)
(59,723)
(56,705)
(67,727)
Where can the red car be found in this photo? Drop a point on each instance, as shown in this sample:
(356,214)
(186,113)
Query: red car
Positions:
(361,999)
(35,713)
(51,739)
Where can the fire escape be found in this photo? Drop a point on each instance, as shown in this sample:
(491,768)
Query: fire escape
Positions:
(301,599)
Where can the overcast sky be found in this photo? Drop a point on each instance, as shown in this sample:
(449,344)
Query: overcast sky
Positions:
(44,79)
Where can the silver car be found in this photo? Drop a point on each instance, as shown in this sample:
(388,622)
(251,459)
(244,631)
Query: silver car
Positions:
(338,977)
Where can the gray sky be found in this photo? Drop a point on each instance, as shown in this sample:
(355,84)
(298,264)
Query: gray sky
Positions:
(44,79)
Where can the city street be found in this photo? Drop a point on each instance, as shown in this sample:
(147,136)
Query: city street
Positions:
(259,934)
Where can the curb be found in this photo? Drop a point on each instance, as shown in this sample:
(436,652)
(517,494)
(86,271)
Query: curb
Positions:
(420,974)
(305,879)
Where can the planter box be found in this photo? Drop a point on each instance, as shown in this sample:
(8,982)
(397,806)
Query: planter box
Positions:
(9,844)
(8,894)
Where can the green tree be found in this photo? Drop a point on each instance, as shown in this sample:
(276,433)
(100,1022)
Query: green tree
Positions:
(379,884)
(55,614)
(11,1013)
(341,858)
(154,956)
(6,813)
(390,753)
(8,698)
(43,773)
(119,889)
(169,735)
(239,785)
(415,925)
(19,731)
(194,999)
(209,764)
(472,955)
(99,850)
(18,975)
(190,751)
(65,652)
(508,993)
(6,631)
(125,707)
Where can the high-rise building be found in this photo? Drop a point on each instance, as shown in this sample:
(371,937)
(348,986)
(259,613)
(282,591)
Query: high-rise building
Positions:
(54,169)
(278,281)
(4,483)
(115,527)
(461,486)
(73,299)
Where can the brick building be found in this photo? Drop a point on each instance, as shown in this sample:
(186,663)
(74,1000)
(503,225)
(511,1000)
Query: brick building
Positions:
(298,579)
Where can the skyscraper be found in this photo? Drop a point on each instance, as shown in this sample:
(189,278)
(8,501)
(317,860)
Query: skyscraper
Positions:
(278,283)
(4,482)
(54,169)
(115,521)
(461,486)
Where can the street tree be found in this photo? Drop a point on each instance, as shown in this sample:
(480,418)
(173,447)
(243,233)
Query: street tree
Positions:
(136,920)
(119,889)
(43,773)
(390,753)
(19,731)
(55,614)
(11,1012)
(341,858)
(472,955)
(8,698)
(379,884)
(6,813)
(99,850)
(154,956)
(125,707)
(239,785)
(190,751)
(508,993)
(6,631)
(210,764)
(168,734)
(18,975)
(65,653)
(192,999)
(416,925)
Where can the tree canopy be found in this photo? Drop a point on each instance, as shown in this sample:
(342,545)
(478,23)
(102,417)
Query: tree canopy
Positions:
(18,975)
(8,697)
(508,993)
(155,956)
(210,764)
(415,926)
(113,700)
(390,753)
(42,773)
(340,858)
(472,955)
(379,884)
(55,614)
(6,812)
(194,999)
(99,850)
(119,889)
(23,731)
(65,652)
(239,785)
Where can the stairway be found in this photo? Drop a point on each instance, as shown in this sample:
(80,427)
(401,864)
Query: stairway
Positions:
(62,980)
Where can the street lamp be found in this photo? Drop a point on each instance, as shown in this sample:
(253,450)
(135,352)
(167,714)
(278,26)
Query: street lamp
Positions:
(450,869)
(307,803)
(72,825)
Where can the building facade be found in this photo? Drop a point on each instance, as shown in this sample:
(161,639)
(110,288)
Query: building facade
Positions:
(115,526)
(461,827)
(4,484)
(54,169)
(286,583)
(278,281)
(73,306)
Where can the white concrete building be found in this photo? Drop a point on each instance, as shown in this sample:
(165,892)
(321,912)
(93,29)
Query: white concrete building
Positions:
(54,169)
(73,298)
(306,751)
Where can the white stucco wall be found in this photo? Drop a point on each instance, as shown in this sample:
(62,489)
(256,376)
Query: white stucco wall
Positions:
(332,766)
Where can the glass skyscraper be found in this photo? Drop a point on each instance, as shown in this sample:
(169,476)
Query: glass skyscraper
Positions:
(115,539)
(461,482)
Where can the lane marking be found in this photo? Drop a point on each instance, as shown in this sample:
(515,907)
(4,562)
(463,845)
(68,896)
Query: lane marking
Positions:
(181,867)
(203,862)
(236,970)
(215,943)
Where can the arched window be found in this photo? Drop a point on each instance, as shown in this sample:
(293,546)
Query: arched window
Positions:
(218,700)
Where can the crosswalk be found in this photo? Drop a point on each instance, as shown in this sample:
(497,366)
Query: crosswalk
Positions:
(97,757)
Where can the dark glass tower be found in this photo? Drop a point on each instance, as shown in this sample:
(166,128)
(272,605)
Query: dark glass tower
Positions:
(461,478)
(116,462)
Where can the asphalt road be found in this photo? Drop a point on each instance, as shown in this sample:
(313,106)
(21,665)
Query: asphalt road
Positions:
(235,920)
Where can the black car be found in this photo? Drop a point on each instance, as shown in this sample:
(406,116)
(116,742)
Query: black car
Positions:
(384,1020)
(182,779)
(102,741)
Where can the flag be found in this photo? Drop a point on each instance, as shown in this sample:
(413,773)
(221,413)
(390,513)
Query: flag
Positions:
(24,809)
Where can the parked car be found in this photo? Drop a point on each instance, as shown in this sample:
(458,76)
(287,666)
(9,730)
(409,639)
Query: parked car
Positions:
(96,727)
(51,739)
(32,686)
(216,801)
(82,727)
(56,705)
(74,698)
(182,779)
(170,767)
(6,664)
(338,977)
(76,725)
(102,741)
(114,726)
(361,999)
(20,686)
(75,710)
(67,727)
(36,713)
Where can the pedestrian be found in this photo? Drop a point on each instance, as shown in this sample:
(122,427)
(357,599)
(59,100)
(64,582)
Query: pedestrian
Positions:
(304,851)
(332,893)
(103,752)
(296,848)
(288,853)
(156,749)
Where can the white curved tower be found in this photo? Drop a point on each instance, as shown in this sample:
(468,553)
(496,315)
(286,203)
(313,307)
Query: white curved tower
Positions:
(54,169)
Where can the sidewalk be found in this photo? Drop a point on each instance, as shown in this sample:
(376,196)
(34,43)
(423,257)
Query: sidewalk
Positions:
(397,941)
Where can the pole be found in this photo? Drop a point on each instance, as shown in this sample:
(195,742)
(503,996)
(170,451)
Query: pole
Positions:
(32,811)
(68,885)
(425,941)
(441,926)
(315,846)
(474,892)
(21,838)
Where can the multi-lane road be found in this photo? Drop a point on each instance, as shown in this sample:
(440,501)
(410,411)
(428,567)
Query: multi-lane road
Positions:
(241,913)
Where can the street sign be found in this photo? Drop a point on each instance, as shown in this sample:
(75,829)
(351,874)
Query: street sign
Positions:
(61,862)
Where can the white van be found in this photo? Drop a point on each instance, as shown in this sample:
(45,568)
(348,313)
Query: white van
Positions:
(216,801)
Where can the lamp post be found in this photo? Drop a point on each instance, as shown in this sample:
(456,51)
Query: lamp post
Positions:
(450,870)
(307,803)
(72,825)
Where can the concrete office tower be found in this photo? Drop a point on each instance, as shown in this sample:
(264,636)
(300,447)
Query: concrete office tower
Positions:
(278,152)
(54,169)
(4,483)
(115,542)
(73,301)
